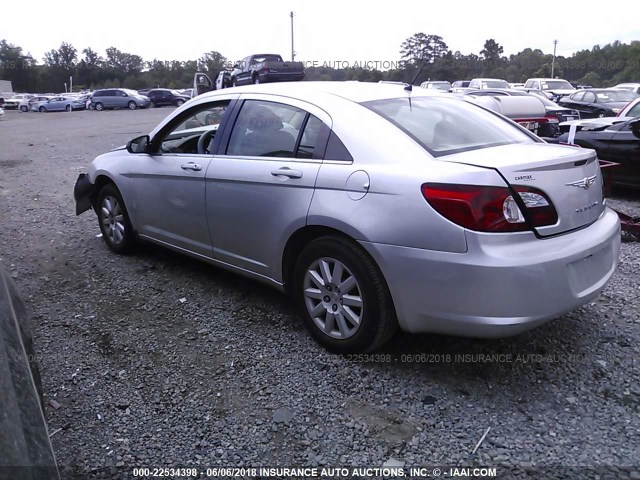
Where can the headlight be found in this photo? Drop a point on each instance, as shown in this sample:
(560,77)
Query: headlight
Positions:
(616,110)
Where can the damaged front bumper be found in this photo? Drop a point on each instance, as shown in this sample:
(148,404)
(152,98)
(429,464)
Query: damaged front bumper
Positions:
(83,193)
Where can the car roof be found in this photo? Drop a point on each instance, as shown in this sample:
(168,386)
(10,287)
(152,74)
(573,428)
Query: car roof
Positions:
(350,90)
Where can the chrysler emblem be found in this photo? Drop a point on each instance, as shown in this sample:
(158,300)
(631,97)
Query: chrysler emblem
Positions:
(585,183)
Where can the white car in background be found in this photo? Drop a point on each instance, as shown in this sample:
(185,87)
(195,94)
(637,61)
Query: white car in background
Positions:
(632,87)
(13,102)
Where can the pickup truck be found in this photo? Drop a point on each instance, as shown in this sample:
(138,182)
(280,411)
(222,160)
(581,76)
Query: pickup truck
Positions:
(266,67)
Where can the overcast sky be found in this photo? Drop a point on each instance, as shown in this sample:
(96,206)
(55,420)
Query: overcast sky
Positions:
(324,30)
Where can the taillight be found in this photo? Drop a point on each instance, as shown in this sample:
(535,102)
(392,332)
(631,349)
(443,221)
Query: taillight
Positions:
(549,119)
(490,209)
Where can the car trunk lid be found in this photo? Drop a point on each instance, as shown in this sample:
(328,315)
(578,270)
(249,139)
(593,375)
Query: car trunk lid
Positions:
(569,176)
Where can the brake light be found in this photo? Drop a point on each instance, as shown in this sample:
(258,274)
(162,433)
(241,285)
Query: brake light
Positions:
(549,119)
(490,209)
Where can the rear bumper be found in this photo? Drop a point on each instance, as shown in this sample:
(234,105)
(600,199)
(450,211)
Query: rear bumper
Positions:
(503,285)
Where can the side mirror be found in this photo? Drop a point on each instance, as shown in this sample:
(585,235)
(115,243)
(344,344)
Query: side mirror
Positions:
(138,145)
(634,126)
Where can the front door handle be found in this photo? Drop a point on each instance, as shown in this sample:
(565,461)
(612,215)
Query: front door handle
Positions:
(192,166)
(287,172)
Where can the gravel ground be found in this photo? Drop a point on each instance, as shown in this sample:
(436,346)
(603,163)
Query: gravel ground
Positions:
(158,360)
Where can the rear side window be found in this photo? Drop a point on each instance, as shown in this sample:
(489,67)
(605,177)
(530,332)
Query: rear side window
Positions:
(266,129)
(447,125)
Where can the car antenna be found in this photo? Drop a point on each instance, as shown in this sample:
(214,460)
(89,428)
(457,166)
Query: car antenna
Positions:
(409,87)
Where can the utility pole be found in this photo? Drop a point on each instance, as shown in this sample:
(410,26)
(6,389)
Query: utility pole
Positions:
(553,62)
(293,53)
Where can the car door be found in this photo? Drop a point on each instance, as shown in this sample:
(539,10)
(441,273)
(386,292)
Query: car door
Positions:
(623,147)
(244,74)
(261,181)
(588,105)
(55,104)
(202,84)
(168,185)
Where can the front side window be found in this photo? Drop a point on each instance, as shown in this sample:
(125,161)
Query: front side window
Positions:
(266,129)
(447,125)
(199,122)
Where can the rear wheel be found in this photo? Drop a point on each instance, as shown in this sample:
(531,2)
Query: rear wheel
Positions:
(24,108)
(113,219)
(601,113)
(132,105)
(343,297)
(99,107)
(179,102)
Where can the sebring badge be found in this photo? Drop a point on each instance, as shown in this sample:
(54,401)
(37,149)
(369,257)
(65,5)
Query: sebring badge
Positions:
(585,183)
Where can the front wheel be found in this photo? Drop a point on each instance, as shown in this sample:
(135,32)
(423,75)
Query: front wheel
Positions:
(132,105)
(343,297)
(113,218)
(601,113)
(68,108)
(234,82)
(24,108)
(179,103)
(256,80)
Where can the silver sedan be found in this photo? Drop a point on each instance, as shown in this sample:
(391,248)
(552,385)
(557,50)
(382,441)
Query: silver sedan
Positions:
(374,206)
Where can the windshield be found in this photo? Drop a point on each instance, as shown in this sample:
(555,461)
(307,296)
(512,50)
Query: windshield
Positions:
(494,84)
(448,125)
(607,96)
(556,85)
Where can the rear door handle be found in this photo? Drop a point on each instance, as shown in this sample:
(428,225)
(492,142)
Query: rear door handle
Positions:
(192,166)
(287,172)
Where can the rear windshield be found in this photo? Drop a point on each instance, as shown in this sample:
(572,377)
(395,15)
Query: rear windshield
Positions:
(494,84)
(556,85)
(448,125)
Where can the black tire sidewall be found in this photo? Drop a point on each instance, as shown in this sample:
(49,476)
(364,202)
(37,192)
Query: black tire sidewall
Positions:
(129,241)
(378,308)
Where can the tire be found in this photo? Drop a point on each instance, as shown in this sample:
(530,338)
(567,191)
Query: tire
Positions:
(601,114)
(234,82)
(152,105)
(68,108)
(114,222)
(24,108)
(99,107)
(42,109)
(365,317)
(132,105)
(256,80)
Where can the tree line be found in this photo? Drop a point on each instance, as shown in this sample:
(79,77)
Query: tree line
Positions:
(421,57)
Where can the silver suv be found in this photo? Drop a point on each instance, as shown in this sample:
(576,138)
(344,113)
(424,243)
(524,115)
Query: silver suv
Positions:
(118,98)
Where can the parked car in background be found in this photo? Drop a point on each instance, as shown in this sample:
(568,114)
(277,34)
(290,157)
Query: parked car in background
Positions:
(617,142)
(631,110)
(598,102)
(554,88)
(436,85)
(266,68)
(59,104)
(481,83)
(14,102)
(386,234)
(160,97)
(109,98)
(144,91)
(632,87)
(516,85)
(547,127)
(27,105)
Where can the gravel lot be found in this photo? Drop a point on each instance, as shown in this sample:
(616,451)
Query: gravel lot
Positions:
(158,360)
